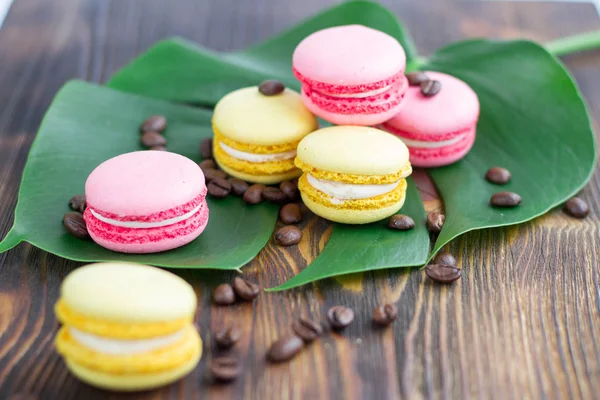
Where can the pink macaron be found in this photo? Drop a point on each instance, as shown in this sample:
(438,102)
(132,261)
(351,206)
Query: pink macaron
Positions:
(351,75)
(438,130)
(146,202)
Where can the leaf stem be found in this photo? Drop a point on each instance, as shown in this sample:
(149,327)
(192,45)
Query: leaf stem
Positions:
(573,44)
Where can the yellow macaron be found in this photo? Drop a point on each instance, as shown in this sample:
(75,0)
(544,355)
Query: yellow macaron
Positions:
(256,135)
(353,174)
(127,327)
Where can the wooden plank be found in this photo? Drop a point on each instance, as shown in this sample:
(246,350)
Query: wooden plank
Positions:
(522,322)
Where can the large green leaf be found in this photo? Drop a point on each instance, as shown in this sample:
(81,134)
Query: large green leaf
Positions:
(88,124)
(355,248)
(182,71)
(533,122)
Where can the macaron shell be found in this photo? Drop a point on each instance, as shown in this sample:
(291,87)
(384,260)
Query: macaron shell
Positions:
(437,157)
(453,109)
(354,150)
(143,183)
(349,55)
(269,179)
(128,292)
(147,240)
(134,382)
(355,217)
(248,116)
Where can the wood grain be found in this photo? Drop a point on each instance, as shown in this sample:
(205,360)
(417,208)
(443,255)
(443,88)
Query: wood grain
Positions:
(523,322)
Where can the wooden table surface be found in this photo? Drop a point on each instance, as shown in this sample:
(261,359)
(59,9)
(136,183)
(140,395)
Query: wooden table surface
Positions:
(523,322)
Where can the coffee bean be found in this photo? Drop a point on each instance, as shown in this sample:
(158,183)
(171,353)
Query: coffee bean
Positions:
(75,225)
(151,139)
(274,195)
(225,369)
(416,78)
(577,208)
(271,87)
(238,186)
(219,188)
(285,348)
(77,203)
(445,259)
(385,314)
(290,214)
(254,194)
(227,337)
(244,289)
(223,295)
(155,123)
(505,199)
(288,235)
(211,174)
(430,88)
(158,148)
(443,273)
(307,330)
(206,146)
(340,317)
(22,396)
(290,188)
(208,164)
(435,222)
(401,222)
(498,175)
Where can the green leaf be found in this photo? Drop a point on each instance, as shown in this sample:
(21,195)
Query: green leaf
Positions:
(88,124)
(533,122)
(356,248)
(182,71)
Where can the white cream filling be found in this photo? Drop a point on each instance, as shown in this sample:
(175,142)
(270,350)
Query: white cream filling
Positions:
(340,191)
(124,347)
(359,95)
(257,158)
(140,225)
(432,145)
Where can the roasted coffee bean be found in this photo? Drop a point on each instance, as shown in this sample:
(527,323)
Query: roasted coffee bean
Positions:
(505,199)
(577,208)
(152,139)
(224,295)
(498,175)
(238,186)
(271,87)
(307,330)
(430,88)
(219,188)
(290,214)
(340,317)
(211,174)
(225,369)
(244,289)
(75,225)
(208,164)
(227,337)
(416,78)
(445,259)
(206,147)
(274,195)
(401,222)
(441,273)
(285,348)
(155,123)
(77,203)
(385,314)
(158,148)
(290,188)
(288,235)
(435,222)
(254,194)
